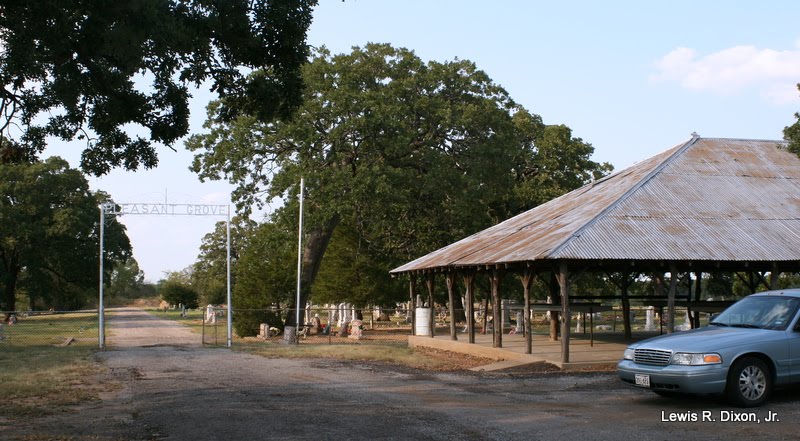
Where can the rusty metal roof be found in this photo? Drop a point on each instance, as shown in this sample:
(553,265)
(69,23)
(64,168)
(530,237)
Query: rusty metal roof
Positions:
(708,199)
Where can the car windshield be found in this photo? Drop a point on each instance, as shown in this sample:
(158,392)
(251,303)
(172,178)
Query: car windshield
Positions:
(763,312)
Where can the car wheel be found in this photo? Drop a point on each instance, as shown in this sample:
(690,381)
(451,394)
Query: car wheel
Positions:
(749,382)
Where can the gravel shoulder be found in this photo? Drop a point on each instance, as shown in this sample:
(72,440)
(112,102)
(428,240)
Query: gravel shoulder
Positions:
(193,393)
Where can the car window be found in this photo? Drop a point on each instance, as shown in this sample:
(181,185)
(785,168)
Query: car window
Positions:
(767,312)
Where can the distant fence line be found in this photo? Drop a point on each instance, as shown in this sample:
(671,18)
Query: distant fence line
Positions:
(321,325)
(20,329)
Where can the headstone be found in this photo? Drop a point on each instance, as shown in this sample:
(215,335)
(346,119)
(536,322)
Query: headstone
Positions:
(355,330)
(316,325)
(687,323)
(211,315)
(343,329)
(289,335)
(649,325)
(520,328)
(332,314)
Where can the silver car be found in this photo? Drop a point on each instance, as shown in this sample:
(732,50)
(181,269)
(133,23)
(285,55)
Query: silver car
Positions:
(745,351)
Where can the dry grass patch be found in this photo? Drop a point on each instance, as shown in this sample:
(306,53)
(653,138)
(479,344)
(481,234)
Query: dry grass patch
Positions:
(417,358)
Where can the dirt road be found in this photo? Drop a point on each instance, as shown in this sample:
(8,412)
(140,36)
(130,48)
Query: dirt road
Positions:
(195,393)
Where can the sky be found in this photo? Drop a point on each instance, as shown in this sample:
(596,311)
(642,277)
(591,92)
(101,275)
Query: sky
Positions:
(632,78)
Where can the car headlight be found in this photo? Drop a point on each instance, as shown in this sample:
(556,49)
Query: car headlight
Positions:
(628,355)
(688,359)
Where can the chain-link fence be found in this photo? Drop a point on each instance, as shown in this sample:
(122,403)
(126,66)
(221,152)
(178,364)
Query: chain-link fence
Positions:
(48,328)
(348,325)
(325,325)
(321,326)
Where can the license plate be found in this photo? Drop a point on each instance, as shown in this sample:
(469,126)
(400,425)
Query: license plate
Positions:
(642,380)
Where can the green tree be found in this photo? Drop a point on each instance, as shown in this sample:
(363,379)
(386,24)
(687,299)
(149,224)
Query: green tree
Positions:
(176,292)
(266,272)
(553,163)
(352,272)
(49,225)
(127,280)
(409,155)
(209,273)
(77,69)
(265,277)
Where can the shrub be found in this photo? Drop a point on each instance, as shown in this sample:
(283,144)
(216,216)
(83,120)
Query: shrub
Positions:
(176,293)
(247,322)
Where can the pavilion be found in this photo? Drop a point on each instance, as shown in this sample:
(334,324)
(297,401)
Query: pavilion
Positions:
(706,205)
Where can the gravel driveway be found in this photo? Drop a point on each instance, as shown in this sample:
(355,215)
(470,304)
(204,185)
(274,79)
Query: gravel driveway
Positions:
(180,392)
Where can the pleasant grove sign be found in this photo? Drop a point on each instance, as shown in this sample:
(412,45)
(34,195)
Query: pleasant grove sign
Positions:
(170,209)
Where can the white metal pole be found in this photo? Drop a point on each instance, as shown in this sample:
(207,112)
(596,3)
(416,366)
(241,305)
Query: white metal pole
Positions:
(101,311)
(299,256)
(230,304)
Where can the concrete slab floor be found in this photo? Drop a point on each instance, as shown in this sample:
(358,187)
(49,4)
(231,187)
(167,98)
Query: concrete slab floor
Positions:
(603,352)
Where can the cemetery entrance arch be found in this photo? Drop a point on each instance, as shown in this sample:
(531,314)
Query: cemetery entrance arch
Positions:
(165,209)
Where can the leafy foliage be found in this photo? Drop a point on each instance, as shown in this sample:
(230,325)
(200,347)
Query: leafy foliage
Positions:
(176,292)
(209,273)
(407,156)
(49,231)
(78,69)
(354,273)
(266,273)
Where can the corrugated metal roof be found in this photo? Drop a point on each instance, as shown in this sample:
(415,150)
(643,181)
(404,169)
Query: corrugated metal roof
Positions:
(706,199)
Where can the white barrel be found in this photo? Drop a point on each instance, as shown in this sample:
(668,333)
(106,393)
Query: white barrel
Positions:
(423,321)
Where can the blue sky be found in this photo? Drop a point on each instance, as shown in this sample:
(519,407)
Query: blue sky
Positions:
(632,78)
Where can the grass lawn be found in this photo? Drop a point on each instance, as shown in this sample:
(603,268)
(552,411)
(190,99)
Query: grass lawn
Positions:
(38,373)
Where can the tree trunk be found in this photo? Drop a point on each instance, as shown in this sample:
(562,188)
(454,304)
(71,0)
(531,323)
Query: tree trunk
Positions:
(450,278)
(460,310)
(497,316)
(8,299)
(316,242)
(626,306)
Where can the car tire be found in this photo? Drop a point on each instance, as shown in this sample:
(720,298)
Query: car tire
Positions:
(749,382)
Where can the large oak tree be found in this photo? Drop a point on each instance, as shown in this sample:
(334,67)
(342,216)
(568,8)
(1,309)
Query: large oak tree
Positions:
(90,70)
(49,235)
(410,155)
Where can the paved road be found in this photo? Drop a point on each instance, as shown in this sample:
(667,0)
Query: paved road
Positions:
(195,393)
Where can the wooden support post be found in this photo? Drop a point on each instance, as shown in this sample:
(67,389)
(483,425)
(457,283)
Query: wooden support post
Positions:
(412,288)
(429,284)
(673,288)
(469,285)
(485,309)
(566,316)
(526,278)
(450,279)
(497,319)
(554,315)
(626,304)
(773,277)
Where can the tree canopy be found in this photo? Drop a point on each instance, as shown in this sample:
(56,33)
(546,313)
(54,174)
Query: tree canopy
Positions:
(78,69)
(407,155)
(209,273)
(49,235)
